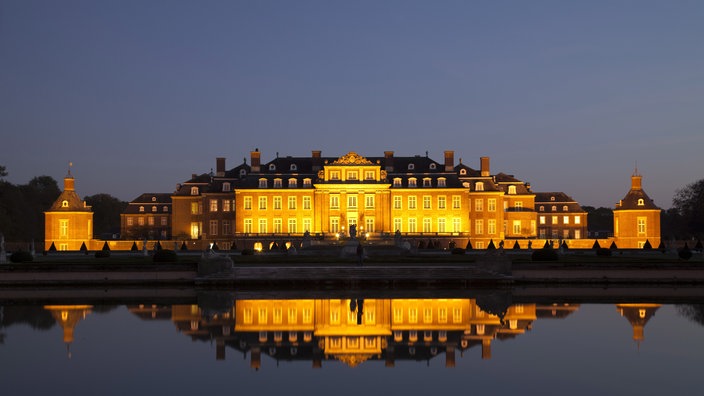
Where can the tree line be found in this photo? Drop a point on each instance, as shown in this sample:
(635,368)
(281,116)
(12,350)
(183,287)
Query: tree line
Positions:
(22,211)
(22,208)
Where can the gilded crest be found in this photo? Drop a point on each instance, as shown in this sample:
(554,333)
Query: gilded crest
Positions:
(352,158)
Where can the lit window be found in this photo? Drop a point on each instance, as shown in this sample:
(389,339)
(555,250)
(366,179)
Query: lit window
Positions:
(516,227)
(334,224)
(478,205)
(641,202)
(306,182)
(165,209)
(154,209)
(577,220)
(491,226)
(334,201)
(140,221)
(542,219)
(292,203)
(518,205)
(565,220)
(456,202)
(352,175)
(226,187)
(262,183)
(213,205)
(195,208)
(369,175)
(194,190)
(479,186)
(412,202)
(542,208)
(63,228)
(426,225)
(456,224)
(262,226)
(369,221)
(554,220)
(479,227)
(442,202)
(398,224)
(512,190)
(426,202)
(334,175)
(642,221)
(248,203)
(141,208)
(397,182)
(412,182)
(130,221)
(565,208)
(153,199)
(491,204)
(441,224)
(164,220)
(64,204)
(463,172)
(248,226)
(292,226)
(412,225)
(427,182)
(292,183)
(277,183)
(397,202)
(306,203)
(262,203)
(552,198)
(277,203)
(352,202)
(554,208)
(442,182)
(369,201)
(226,205)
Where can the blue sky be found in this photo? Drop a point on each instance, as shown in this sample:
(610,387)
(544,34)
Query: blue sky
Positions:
(566,95)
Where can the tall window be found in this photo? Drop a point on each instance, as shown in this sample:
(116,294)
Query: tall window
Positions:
(412,202)
(456,224)
(213,205)
(351,202)
(226,229)
(213,227)
(306,203)
(277,226)
(262,203)
(491,226)
(63,228)
(577,220)
(262,226)
(248,203)
(196,208)
(150,220)
(427,227)
(195,230)
(194,190)
(292,203)
(491,204)
(565,219)
(456,202)
(398,224)
(334,201)
(642,225)
(542,219)
(426,202)
(441,224)
(369,201)
(277,203)
(516,227)
(226,205)
(442,202)
(334,224)
(369,224)
(478,205)
(412,226)
(248,226)
(397,202)
(306,225)
(292,226)
(479,226)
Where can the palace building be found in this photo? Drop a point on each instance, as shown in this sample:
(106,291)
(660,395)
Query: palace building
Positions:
(636,218)
(68,224)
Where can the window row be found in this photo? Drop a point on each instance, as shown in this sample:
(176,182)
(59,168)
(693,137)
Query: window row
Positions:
(427,315)
(263,203)
(278,183)
(427,225)
(150,220)
(276,226)
(556,220)
(553,208)
(292,315)
(412,202)
(353,175)
(427,182)
(141,208)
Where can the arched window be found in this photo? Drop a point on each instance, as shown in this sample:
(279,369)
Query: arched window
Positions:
(141,208)
(412,182)
(292,182)
(441,182)
(165,209)
(154,209)
(479,186)
(64,204)
(565,208)
(641,202)
(542,208)
(397,182)
(277,183)
(194,190)
(554,208)
(306,182)
(512,189)
(226,187)
(262,183)
(427,182)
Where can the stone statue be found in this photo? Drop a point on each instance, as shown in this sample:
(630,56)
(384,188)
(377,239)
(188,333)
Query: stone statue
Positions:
(353,231)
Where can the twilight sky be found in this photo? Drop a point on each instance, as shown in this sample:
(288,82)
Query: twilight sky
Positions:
(567,95)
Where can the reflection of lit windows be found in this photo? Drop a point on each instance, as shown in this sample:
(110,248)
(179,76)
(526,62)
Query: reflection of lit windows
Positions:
(292,315)
(292,336)
(427,315)
(336,342)
(480,329)
(442,335)
(456,315)
(353,342)
(413,315)
(335,315)
(398,336)
(278,315)
(369,342)
(513,324)
(370,315)
(278,337)
(398,315)
(307,336)
(307,315)
(519,308)
(427,336)
(442,315)
(247,316)
(262,316)
(263,335)
(413,335)
(641,313)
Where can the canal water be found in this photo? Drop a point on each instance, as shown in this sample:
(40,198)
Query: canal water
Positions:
(410,345)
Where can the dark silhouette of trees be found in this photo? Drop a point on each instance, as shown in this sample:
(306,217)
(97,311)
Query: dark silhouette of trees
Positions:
(599,220)
(22,207)
(106,213)
(688,203)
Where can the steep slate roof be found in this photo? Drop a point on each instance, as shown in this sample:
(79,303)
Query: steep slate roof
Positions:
(630,201)
(145,200)
(561,199)
(75,204)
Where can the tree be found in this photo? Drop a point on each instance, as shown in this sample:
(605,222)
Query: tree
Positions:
(689,203)
(3,171)
(106,213)
(599,220)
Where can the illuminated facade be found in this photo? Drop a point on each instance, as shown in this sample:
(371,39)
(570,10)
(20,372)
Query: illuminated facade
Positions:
(636,218)
(68,224)
(559,216)
(147,216)
(416,196)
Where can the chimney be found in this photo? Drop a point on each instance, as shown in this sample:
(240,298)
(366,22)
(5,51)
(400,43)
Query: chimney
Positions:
(390,357)
(486,349)
(255,358)
(485,166)
(450,357)
(449,160)
(317,165)
(220,167)
(389,160)
(255,156)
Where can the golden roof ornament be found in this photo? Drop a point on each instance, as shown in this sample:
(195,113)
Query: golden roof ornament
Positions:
(352,158)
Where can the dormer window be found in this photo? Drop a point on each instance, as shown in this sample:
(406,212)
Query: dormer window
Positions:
(293,167)
(277,183)
(226,187)
(411,167)
(512,190)
(412,182)
(479,186)
(564,208)
(306,182)
(465,184)
(262,183)
(165,209)
(64,204)
(433,166)
(442,182)
(141,208)
(153,199)
(292,183)
(641,202)
(194,190)
(427,182)
(542,208)
(552,198)
(397,182)
(243,172)
(272,167)
(463,172)
(554,208)
(154,209)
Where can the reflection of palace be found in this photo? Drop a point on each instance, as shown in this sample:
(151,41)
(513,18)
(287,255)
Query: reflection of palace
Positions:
(638,316)
(68,316)
(354,330)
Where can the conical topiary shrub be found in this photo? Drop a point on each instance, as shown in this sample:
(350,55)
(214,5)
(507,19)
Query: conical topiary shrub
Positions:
(516,246)
(596,245)
(105,246)
(469,245)
(491,245)
(183,246)
(134,247)
(647,245)
(613,246)
(83,247)
(52,248)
